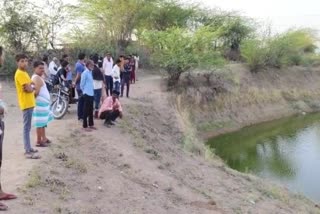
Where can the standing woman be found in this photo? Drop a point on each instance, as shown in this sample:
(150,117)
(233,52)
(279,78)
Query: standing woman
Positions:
(41,113)
(97,76)
(3,195)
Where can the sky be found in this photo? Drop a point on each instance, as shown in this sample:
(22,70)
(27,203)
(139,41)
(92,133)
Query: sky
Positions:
(282,14)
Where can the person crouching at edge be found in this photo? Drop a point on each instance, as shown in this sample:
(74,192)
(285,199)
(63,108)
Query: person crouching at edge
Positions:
(110,109)
(3,195)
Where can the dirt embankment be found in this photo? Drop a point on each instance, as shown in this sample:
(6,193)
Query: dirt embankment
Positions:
(234,97)
(140,166)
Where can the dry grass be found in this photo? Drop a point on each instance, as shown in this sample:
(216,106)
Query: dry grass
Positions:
(34,179)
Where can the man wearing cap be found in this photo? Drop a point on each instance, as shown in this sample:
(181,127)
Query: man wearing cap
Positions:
(110,109)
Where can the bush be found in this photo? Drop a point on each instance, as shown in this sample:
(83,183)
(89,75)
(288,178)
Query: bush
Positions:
(9,65)
(295,47)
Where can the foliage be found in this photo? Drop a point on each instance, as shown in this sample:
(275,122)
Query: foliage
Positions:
(18,25)
(9,65)
(28,27)
(232,33)
(179,50)
(162,15)
(294,47)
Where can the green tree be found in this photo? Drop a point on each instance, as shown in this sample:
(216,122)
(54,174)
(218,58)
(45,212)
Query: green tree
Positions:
(179,50)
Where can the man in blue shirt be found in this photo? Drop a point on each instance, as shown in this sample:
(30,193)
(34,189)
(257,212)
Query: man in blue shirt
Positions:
(80,67)
(86,85)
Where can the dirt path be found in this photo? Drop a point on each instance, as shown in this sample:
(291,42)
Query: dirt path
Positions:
(138,166)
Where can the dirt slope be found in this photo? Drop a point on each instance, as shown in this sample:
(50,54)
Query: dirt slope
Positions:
(138,166)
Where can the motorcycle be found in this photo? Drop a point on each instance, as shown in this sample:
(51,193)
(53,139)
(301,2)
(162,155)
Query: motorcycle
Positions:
(60,99)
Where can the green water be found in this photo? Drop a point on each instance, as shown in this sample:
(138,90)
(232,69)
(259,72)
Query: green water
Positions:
(286,151)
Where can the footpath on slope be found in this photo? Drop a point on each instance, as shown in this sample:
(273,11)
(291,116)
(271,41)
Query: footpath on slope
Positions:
(138,166)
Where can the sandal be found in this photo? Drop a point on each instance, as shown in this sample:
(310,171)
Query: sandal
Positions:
(48,141)
(7,196)
(3,207)
(31,155)
(41,144)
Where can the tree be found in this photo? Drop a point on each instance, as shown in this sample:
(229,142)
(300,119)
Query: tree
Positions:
(178,50)
(115,20)
(52,16)
(18,26)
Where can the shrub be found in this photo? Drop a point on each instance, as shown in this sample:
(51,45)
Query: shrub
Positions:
(295,47)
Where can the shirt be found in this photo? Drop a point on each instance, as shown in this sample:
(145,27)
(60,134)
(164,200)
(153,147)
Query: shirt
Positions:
(116,73)
(86,83)
(107,66)
(69,73)
(26,100)
(127,70)
(53,68)
(79,69)
(109,105)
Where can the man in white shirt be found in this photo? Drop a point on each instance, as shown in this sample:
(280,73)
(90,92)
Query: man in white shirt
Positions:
(116,75)
(136,59)
(107,67)
(53,66)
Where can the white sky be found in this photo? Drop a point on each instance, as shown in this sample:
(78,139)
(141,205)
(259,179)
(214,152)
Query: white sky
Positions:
(282,14)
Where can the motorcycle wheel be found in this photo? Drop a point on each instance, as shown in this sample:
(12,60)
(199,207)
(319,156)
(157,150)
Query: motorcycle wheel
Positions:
(59,108)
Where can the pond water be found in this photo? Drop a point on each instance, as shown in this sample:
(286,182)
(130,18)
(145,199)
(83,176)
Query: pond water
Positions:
(286,151)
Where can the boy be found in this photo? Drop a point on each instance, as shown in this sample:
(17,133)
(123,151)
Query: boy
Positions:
(116,75)
(25,91)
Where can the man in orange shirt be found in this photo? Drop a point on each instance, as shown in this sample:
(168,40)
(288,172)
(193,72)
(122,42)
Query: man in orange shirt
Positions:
(25,91)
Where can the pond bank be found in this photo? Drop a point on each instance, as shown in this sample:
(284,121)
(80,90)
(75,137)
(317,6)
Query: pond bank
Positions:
(234,97)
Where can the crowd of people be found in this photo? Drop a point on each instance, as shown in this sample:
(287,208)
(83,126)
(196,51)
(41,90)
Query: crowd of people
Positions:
(94,77)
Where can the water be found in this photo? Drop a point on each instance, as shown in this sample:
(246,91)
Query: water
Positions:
(286,151)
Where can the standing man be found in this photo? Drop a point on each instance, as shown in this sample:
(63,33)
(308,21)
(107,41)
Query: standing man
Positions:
(53,67)
(126,75)
(25,91)
(3,195)
(107,69)
(133,69)
(116,75)
(80,67)
(136,59)
(97,84)
(41,114)
(86,86)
